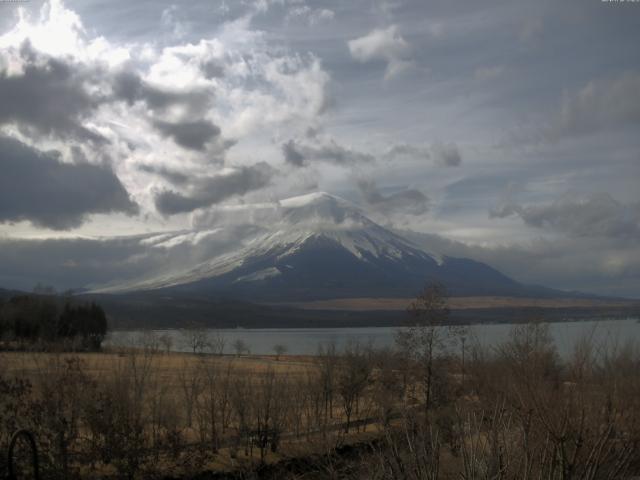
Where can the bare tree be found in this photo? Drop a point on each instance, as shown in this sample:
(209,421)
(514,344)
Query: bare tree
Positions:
(388,389)
(426,335)
(409,453)
(196,338)
(166,341)
(117,417)
(327,359)
(279,350)
(149,341)
(63,385)
(354,377)
(311,395)
(242,403)
(240,347)
(217,342)
(207,404)
(191,386)
(269,411)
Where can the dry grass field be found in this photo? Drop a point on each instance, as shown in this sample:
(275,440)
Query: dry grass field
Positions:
(171,367)
(177,412)
(514,412)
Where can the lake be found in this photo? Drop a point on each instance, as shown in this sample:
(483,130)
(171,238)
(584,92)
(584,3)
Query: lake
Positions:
(305,341)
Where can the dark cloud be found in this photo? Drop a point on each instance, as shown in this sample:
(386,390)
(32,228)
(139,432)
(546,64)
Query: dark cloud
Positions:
(172,176)
(446,155)
(192,135)
(212,69)
(591,216)
(130,87)
(601,105)
(38,187)
(69,262)
(408,202)
(212,190)
(291,154)
(406,150)
(82,262)
(323,150)
(608,105)
(48,96)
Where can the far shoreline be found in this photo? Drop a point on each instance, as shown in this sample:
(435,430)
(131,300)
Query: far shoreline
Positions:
(542,316)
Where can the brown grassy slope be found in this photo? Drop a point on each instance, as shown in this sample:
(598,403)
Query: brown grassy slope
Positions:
(168,366)
(459,303)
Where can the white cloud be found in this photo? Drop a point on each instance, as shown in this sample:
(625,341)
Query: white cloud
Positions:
(311,16)
(170,19)
(186,102)
(385,45)
(57,31)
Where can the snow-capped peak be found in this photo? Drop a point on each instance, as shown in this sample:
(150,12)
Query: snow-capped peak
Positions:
(313,198)
(323,209)
(307,223)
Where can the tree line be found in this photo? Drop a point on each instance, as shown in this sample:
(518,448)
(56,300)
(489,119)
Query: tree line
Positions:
(26,320)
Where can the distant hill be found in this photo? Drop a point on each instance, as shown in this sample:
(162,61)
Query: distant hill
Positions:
(156,309)
(4,294)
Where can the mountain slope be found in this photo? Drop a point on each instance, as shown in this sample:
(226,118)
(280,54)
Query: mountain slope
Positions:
(319,246)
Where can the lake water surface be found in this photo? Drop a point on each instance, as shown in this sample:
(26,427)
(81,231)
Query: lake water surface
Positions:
(305,341)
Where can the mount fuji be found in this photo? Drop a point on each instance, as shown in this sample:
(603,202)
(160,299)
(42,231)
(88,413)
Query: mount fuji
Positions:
(313,247)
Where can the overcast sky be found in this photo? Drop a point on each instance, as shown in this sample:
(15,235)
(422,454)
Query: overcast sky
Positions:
(505,131)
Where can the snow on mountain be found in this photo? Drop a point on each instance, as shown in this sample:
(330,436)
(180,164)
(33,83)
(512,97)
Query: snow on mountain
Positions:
(312,246)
